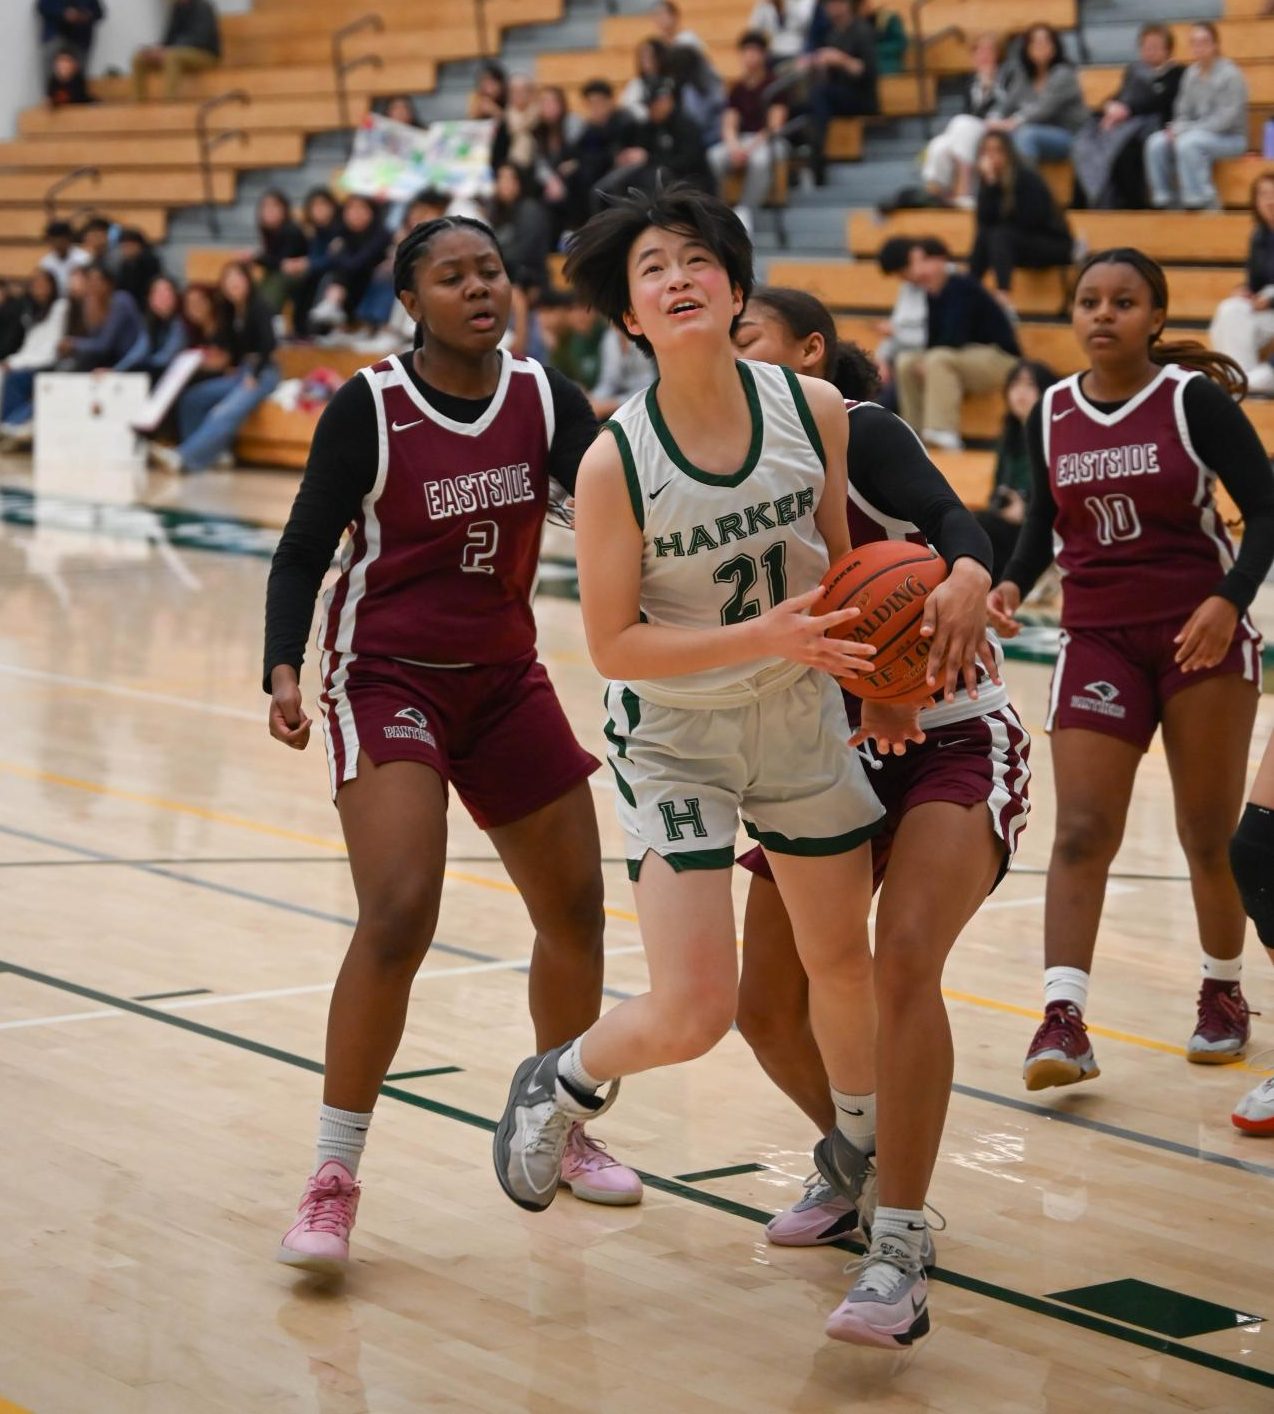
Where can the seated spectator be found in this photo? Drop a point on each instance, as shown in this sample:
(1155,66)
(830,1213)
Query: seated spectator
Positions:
(605,132)
(210,412)
(1109,150)
(624,370)
(67,26)
(784,23)
(281,241)
(112,323)
(136,265)
(554,134)
(523,228)
(701,94)
(163,335)
(947,169)
(665,18)
(401,109)
(67,84)
(1019,225)
(577,350)
(514,139)
(652,69)
(1243,324)
(668,148)
(1011,487)
(200,314)
(490,91)
(321,224)
(1209,122)
(750,145)
(43,322)
(191,44)
(96,240)
(1043,104)
(969,348)
(908,324)
(842,76)
(352,258)
(63,254)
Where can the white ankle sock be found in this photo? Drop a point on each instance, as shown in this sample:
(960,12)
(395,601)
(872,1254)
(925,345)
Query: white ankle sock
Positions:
(1222,969)
(1066,984)
(571,1069)
(904,1225)
(856,1119)
(342,1135)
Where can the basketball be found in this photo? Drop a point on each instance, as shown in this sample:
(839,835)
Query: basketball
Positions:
(888,581)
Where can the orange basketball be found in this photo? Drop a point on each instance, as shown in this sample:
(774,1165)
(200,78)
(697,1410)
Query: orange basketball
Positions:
(888,581)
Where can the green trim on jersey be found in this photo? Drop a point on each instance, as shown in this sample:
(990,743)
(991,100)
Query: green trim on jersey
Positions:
(630,471)
(679,459)
(685,859)
(814,848)
(807,417)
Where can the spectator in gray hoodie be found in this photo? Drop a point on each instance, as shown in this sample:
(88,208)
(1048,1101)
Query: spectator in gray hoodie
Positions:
(1043,96)
(1209,121)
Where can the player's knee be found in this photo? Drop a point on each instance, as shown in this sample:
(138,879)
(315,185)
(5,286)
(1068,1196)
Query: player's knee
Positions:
(397,925)
(906,965)
(1252,860)
(1086,837)
(768,1020)
(577,917)
(1206,842)
(690,1024)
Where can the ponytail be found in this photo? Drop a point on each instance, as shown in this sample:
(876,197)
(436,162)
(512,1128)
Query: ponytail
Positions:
(1186,353)
(851,369)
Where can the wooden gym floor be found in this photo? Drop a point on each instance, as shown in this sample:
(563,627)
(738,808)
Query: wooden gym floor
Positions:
(173,907)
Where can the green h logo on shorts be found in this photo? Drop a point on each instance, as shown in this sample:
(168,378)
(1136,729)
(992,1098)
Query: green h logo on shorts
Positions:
(674,819)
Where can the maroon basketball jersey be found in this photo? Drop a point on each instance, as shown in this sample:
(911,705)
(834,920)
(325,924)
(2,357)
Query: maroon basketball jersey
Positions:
(441,559)
(1138,533)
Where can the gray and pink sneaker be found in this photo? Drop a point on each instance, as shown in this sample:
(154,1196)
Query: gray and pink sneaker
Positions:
(591,1174)
(318,1241)
(888,1304)
(820,1215)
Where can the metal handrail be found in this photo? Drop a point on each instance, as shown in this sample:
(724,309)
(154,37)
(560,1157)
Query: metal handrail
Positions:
(341,66)
(209,142)
(51,196)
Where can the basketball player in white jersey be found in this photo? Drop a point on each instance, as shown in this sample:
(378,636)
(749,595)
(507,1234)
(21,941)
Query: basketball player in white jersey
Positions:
(704,520)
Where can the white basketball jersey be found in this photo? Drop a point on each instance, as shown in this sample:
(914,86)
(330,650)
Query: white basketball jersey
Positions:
(724,549)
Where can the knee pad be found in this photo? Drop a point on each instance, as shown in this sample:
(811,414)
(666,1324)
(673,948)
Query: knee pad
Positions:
(1252,860)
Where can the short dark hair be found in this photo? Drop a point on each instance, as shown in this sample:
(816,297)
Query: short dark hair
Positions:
(431,196)
(597,261)
(95,223)
(934,245)
(753,39)
(598,88)
(1162,31)
(59,231)
(894,254)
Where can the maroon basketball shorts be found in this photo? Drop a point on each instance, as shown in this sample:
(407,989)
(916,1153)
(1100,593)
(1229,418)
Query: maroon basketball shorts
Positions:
(980,761)
(1116,680)
(496,732)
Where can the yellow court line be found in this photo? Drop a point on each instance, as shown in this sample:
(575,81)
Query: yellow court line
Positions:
(1147,1043)
(8,1407)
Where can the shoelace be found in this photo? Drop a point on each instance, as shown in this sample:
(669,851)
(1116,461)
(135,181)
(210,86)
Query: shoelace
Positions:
(549,1135)
(884,1269)
(1223,1010)
(585,1147)
(330,1206)
(1061,1020)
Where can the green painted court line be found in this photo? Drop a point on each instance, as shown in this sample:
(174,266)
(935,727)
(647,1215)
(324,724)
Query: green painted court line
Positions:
(1037,1305)
(705,1174)
(421,1074)
(1156,1308)
(170,996)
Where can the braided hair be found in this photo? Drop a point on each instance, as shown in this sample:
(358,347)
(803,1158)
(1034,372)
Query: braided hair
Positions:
(1189,353)
(417,242)
(850,368)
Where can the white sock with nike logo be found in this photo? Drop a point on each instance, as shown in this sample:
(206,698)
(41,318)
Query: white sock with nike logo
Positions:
(905,1225)
(856,1119)
(342,1135)
(1066,984)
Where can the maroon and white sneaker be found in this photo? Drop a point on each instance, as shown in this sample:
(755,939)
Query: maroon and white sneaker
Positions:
(1060,1053)
(318,1241)
(1222,1031)
(820,1215)
(591,1174)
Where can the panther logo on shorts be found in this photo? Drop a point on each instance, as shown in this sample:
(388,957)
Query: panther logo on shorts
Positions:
(1101,700)
(418,731)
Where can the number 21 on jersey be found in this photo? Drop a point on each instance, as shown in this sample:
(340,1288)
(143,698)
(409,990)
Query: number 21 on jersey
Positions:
(743,572)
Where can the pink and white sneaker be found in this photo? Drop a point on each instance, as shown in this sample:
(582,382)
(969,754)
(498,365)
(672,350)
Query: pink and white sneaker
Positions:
(318,1241)
(591,1174)
(820,1215)
(888,1304)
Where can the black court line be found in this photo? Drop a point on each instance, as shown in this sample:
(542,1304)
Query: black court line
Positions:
(730,1171)
(421,1074)
(1037,1305)
(1133,1136)
(171,996)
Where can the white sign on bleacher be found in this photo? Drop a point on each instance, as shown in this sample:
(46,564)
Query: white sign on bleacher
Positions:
(393,161)
(85,445)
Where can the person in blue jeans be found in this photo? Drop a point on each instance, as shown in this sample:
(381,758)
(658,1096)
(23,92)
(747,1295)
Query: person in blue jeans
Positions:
(1043,101)
(210,412)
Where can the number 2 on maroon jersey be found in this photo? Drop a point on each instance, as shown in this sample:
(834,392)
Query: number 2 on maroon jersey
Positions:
(479,547)
(1116,517)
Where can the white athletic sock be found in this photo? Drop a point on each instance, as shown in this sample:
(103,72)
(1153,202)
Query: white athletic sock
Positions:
(856,1119)
(1222,969)
(342,1135)
(905,1225)
(1066,984)
(570,1069)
